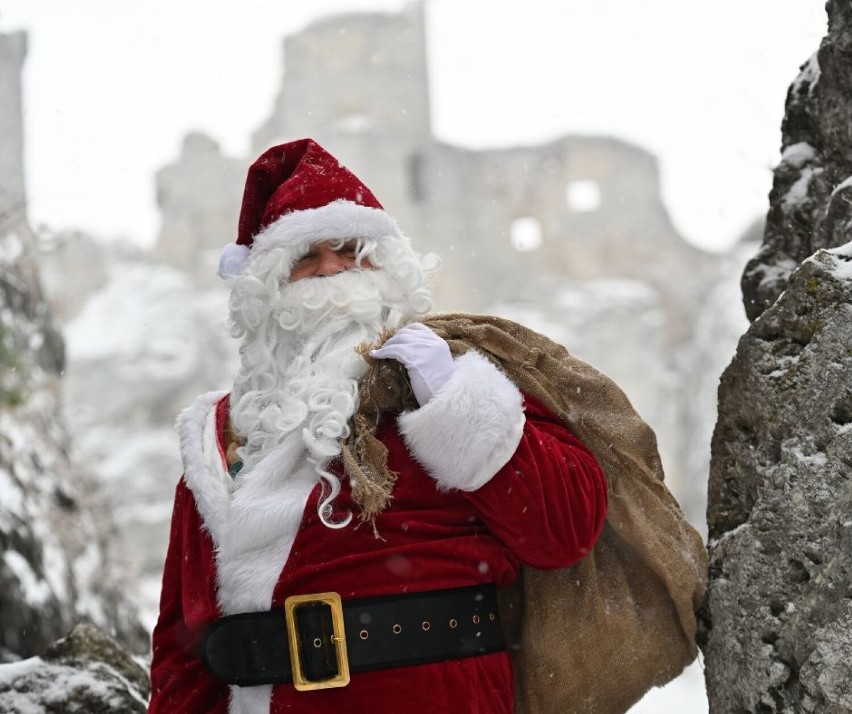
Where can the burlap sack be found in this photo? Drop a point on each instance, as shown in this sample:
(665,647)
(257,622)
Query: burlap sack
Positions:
(594,637)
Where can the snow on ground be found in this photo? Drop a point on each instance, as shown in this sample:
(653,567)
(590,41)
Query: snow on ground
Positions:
(685,695)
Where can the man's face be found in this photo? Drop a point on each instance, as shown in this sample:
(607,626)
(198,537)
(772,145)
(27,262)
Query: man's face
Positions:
(328,257)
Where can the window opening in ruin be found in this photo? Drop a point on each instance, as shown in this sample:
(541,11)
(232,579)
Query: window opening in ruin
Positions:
(525,233)
(583,195)
(416,179)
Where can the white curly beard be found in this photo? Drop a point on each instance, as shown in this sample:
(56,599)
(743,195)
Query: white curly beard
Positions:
(299,368)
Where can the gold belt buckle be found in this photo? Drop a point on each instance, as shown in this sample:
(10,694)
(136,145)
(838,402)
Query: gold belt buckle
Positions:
(338,638)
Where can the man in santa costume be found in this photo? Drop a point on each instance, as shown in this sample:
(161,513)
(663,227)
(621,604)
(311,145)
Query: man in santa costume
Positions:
(278,594)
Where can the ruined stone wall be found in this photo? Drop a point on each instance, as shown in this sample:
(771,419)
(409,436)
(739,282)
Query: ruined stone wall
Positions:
(778,617)
(362,72)
(13,50)
(597,204)
(199,200)
(358,84)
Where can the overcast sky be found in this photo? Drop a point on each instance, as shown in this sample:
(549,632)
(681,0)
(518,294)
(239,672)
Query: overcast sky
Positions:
(112,87)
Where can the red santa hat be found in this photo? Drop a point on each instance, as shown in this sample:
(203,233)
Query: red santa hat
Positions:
(298,194)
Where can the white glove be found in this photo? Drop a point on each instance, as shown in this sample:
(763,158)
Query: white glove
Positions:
(425,355)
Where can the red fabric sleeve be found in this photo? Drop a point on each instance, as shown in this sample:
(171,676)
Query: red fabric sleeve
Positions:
(179,682)
(548,504)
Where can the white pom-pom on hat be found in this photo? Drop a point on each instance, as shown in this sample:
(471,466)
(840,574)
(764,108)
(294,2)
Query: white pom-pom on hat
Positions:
(232,261)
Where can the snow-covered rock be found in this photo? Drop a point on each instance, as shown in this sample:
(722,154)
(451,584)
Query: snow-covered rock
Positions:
(55,562)
(86,671)
(815,164)
(780,506)
(778,617)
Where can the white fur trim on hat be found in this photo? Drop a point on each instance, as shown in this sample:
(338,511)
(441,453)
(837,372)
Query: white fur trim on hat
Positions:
(470,429)
(338,219)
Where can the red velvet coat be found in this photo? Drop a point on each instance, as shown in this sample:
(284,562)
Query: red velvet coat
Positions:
(536,496)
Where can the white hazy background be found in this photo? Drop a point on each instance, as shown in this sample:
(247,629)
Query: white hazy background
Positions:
(112,87)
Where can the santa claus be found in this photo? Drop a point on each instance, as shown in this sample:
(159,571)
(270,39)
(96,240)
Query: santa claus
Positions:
(277,594)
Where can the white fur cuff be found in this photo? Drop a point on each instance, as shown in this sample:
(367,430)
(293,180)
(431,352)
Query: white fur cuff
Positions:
(471,427)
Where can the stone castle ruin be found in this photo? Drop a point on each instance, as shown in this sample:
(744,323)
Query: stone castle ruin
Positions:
(13,50)
(574,208)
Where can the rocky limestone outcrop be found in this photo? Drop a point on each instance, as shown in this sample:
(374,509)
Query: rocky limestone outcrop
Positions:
(809,194)
(86,672)
(55,567)
(780,505)
(778,617)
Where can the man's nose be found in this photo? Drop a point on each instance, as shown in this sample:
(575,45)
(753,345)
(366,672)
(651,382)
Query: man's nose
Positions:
(330,263)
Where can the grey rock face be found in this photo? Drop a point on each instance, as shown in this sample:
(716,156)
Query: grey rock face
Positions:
(780,505)
(54,567)
(86,672)
(807,202)
(778,616)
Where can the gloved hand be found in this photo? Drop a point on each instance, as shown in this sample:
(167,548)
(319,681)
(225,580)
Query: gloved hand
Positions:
(425,355)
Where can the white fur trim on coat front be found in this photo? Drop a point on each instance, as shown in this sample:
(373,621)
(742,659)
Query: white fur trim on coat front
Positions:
(253,519)
(211,488)
(470,429)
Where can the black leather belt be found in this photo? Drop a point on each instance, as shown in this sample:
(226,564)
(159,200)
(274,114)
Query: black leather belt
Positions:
(332,639)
